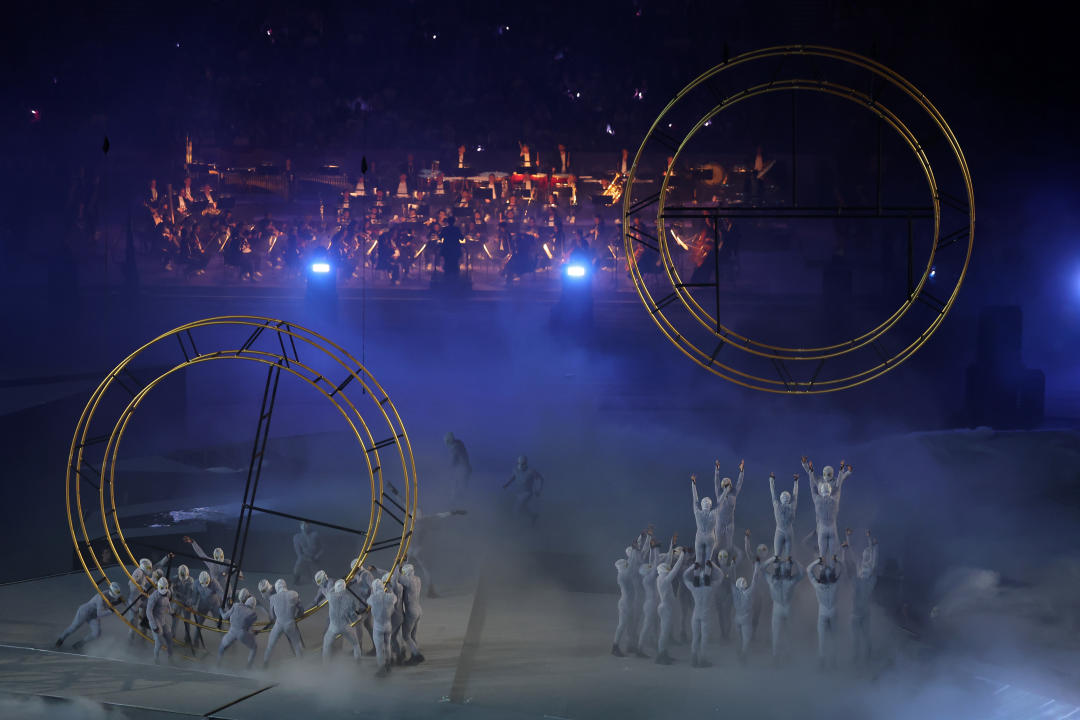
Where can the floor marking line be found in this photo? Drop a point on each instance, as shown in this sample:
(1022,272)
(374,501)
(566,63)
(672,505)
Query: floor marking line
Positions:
(239,700)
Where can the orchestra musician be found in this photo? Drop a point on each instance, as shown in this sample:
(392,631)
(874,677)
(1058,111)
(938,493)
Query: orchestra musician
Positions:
(523,257)
(563,156)
(404,188)
(389,255)
(185,192)
(478,229)
(701,253)
(195,257)
(409,170)
(170,245)
(450,251)
(493,192)
(525,155)
(211,206)
(596,232)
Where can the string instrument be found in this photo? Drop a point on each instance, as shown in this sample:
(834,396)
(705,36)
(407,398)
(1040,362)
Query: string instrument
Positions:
(196,244)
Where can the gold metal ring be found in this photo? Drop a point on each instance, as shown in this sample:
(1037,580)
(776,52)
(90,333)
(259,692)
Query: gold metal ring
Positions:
(724,336)
(87,438)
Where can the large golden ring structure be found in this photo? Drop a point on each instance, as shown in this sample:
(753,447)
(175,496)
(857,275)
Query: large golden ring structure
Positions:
(801,69)
(279,347)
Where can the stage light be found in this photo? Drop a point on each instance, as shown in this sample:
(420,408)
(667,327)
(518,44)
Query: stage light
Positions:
(574,311)
(609,129)
(322,287)
(933,271)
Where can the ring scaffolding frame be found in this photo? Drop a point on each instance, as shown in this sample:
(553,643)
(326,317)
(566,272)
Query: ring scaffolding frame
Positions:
(262,344)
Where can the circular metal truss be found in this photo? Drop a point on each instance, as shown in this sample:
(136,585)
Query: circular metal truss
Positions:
(677,306)
(278,347)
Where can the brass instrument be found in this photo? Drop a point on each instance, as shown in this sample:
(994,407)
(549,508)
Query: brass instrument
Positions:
(615,188)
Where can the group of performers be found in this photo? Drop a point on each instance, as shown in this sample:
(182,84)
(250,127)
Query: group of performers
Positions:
(383,605)
(679,594)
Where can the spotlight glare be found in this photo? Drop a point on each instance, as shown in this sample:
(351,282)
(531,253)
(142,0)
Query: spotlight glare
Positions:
(933,271)
(320,267)
(575,271)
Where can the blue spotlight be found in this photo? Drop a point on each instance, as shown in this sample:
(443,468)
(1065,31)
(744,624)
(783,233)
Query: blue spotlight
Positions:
(933,271)
(322,284)
(574,311)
